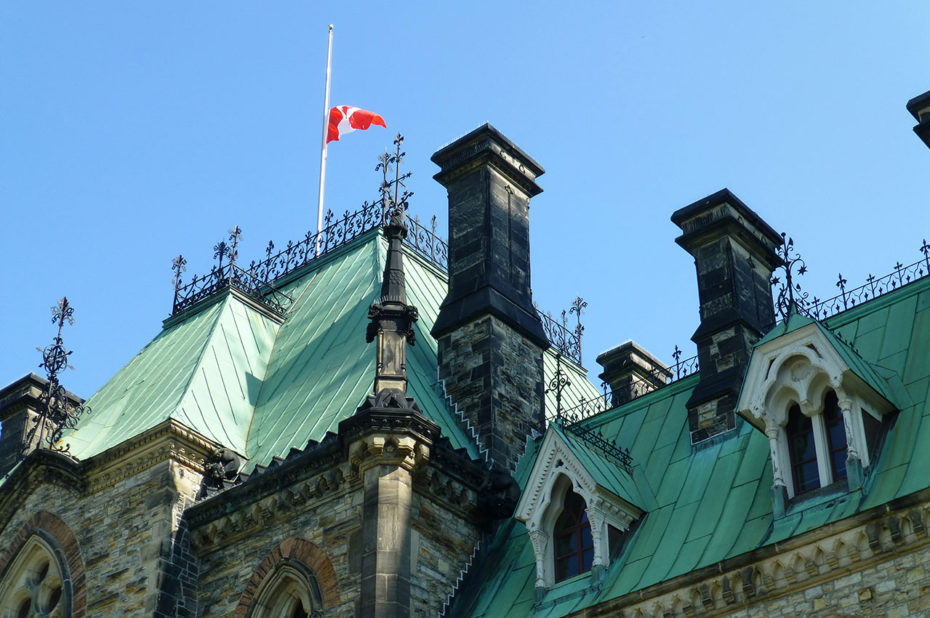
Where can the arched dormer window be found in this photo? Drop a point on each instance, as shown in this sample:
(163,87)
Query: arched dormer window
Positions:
(817,448)
(577,523)
(822,406)
(36,584)
(573,543)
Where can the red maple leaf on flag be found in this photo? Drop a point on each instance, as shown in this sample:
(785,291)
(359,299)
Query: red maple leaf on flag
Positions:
(344,119)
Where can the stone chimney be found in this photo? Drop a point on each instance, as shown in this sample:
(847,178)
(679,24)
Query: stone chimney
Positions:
(631,371)
(20,406)
(734,253)
(490,337)
(919,107)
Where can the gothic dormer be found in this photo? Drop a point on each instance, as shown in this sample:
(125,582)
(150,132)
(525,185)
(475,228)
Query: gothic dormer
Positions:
(578,507)
(820,404)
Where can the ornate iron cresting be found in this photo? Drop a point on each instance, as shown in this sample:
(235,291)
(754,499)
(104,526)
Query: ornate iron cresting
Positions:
(566,341)
(617,454)
(789,292)
(261,279)
(586,408)
(873,287)
(58,409)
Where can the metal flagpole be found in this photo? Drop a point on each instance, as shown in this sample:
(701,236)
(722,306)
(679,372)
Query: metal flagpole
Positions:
(319,210)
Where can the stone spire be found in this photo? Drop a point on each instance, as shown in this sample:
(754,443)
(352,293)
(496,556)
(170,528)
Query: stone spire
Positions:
(392,318)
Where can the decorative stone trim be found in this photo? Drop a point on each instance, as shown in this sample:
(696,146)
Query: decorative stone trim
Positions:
(50,527)
(802,563)
(169,440)
(292,550)
(216,526)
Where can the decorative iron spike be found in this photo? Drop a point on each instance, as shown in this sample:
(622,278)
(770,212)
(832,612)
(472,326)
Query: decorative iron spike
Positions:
(178,266)
(789,293)
(558,383)
(235,235)
(57,411)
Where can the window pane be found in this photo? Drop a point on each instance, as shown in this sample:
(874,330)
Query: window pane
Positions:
(801,449)
(586,539)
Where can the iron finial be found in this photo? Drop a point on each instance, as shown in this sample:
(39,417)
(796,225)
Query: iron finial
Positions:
(789,293)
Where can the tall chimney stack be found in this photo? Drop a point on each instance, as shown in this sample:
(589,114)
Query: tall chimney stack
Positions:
(490,337)
(734,253)
(919,107)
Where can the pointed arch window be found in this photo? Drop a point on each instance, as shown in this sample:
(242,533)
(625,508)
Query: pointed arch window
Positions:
(36,584)
(573,542)
(290,592)
(817,445)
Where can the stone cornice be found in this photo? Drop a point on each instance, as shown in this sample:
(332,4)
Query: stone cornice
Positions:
(772,571)
(301,474)
(40,467)
(168,441)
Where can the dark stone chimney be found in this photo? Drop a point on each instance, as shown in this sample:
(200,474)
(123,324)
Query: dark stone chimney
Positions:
(490,337)
(631,372)
(919,107)
(20,407)
(734,253)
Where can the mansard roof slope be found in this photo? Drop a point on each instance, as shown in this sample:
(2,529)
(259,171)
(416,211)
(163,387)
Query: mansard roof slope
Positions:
(713,501)
(261,386)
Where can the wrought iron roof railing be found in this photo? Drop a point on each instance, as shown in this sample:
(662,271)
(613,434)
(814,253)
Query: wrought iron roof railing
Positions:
(231,276)
(658,378)
(873,288)
(258,281)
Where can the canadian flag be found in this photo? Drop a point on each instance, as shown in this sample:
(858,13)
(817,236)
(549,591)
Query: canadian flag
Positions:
(344,119)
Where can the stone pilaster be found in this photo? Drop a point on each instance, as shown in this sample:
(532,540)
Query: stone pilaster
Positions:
(734,254)
(387,444)
(490,337)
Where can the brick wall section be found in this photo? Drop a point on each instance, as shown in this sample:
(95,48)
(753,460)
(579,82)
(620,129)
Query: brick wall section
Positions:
(495,375)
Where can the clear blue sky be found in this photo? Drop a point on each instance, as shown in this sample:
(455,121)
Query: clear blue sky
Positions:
(131,132)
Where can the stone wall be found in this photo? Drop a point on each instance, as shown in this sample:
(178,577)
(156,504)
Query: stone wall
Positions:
(324,509)
(124,530)
(495,375)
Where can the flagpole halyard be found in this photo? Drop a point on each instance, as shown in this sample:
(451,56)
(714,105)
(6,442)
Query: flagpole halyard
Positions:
(319,209)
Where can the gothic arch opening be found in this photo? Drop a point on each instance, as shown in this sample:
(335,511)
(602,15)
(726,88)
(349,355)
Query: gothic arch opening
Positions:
(37,583)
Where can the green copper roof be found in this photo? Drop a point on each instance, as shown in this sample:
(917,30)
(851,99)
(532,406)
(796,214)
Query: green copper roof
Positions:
(714,502)
(204,372)
(605,472)
(260,388)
